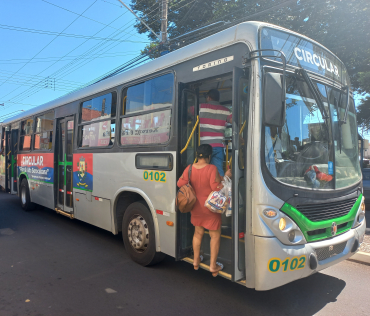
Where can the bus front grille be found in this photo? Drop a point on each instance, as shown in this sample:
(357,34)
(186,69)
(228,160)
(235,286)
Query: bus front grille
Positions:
(330,251)
(324,211)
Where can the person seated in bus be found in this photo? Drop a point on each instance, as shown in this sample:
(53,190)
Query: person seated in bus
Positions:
(204,179)
(213,118)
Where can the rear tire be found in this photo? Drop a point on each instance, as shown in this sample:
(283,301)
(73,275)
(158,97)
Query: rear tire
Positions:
(138,235)
(26,203)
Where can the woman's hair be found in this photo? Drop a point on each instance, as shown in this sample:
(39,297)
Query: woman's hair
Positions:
(204,151)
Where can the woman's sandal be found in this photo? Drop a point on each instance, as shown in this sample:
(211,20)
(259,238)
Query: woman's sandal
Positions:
(220,266)
(196,267)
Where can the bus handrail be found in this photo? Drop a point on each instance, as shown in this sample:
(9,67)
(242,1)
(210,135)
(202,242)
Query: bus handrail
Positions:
(191,135)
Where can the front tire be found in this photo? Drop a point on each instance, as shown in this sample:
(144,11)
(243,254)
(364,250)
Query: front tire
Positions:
(26,203)
(139,235)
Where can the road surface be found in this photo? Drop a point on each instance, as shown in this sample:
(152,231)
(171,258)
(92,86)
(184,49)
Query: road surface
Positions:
(51,265)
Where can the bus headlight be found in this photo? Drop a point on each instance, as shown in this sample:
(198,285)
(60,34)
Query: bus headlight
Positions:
(363,204)
(282,223)
(291,235)
(360,216)
(269,213)
(282,226)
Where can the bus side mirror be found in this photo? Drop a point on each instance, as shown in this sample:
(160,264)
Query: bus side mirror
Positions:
(274,100)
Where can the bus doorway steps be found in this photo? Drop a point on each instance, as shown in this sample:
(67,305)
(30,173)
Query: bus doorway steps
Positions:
(59,211)
(205,266)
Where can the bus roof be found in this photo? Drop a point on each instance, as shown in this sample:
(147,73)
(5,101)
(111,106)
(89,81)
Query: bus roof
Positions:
(235,34)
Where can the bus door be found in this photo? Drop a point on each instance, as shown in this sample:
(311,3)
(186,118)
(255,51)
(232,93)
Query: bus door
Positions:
(2,159)
(8,159)
(239,144)
(188,121)
(13,159)
(64,159)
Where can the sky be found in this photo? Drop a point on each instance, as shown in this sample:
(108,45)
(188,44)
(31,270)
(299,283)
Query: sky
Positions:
(51,47)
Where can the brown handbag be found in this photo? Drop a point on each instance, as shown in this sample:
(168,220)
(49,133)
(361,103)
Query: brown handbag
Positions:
(186,198)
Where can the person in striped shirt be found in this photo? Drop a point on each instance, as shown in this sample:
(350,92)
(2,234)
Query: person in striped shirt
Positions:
(213,118)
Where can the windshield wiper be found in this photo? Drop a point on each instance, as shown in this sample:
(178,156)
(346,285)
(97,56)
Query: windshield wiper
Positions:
(303,73)
(339,125)
(344,121)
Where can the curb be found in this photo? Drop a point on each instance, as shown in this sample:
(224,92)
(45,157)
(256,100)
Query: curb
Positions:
(361,257)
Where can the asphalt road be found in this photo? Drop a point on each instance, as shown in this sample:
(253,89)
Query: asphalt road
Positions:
(51,265)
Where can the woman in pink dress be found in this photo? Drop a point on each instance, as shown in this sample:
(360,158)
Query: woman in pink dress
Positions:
(204,179)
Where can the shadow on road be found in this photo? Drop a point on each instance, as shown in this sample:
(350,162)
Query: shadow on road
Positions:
(87,258)
(303,297)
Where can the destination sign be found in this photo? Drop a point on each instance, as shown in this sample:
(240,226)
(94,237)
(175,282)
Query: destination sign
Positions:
(303,53)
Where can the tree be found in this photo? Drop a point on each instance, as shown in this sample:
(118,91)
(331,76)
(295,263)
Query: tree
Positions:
(363,110)
(340,25)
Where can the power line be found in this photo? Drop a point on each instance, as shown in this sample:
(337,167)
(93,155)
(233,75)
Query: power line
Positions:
(63,57)
(28,91)
(53,39)
(22,29)
(53,4)
(51,59)
(25,76)
(86,54)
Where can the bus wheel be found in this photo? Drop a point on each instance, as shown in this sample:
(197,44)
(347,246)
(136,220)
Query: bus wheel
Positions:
(26,203)
(139,236)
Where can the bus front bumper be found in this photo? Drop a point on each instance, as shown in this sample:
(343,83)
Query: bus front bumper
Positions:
(277,264)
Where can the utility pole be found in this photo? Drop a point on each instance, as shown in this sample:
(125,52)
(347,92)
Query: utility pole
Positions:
(140,19)
(164,20)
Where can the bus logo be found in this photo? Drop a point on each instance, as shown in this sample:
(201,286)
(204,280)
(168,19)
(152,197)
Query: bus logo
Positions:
(213,63)
(334,229)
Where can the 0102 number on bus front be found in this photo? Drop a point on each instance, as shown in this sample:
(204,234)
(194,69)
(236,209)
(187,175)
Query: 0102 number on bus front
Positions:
(156,176)
(296,263)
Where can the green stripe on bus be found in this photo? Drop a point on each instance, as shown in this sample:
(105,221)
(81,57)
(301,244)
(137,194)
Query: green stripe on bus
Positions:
(82,189)
(12,167)
(25,173)
(306,225)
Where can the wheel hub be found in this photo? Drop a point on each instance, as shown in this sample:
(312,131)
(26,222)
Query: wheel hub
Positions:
(138,233)
(23,196)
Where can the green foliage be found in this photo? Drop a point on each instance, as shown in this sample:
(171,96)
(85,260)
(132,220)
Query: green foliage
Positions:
(363,114)
(152,50)
(363,110)
(340,25)
(364,81)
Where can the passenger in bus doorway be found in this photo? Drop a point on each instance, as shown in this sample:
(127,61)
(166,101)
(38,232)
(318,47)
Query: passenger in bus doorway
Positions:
(204,179)
(213,118)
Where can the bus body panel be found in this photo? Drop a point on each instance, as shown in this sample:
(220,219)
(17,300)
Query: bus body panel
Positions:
(278,264)
(93,211)
(118,170)
(42,193)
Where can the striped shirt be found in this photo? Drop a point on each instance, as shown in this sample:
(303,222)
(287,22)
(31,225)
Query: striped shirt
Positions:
(213,117)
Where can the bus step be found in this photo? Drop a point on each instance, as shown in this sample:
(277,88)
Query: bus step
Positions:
(59,211)
(206,267)
(242,282)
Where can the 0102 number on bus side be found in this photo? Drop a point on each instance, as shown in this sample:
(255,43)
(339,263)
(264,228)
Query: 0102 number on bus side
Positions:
(296,263)
(157,176)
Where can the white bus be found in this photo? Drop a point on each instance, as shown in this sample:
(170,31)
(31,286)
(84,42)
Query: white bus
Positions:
(110,154)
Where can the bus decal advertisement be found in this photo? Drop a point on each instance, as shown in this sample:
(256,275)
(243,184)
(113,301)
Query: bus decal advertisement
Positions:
(37,167)
(83,172)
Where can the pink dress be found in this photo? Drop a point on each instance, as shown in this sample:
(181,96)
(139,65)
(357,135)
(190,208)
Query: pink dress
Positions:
(203,181)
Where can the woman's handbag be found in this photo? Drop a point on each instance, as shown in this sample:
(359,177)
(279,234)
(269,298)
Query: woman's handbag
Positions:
(186,198)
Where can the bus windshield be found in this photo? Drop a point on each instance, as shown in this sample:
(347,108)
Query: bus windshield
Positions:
(312,151)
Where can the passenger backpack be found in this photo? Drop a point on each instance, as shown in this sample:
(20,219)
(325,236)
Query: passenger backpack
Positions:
(186,198)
